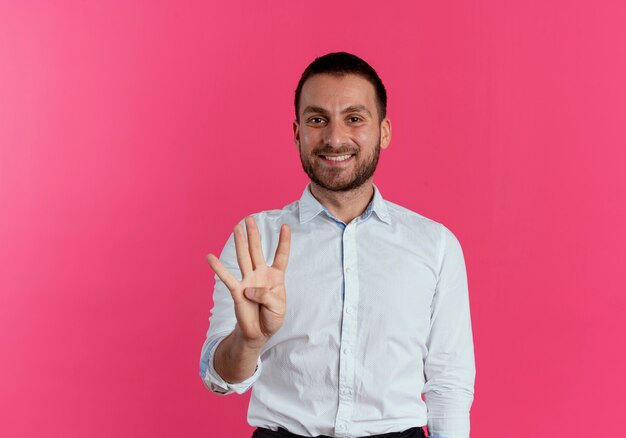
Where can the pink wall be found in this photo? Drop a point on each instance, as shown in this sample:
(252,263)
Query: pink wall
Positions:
(134,135)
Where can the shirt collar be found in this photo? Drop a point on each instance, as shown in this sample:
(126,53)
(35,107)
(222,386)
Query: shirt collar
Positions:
(310,207)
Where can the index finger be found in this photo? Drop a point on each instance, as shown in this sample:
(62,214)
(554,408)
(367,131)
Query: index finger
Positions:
(282,250)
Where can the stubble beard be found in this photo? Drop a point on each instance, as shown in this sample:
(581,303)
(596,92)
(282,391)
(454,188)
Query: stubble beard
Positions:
(325,178)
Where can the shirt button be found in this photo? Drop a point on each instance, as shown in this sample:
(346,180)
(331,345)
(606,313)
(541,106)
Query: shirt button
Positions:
(349,310)
(346,350)
(348,269)
(341,427)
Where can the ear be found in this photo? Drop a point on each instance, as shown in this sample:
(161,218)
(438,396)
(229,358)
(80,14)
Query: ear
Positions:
(385,133)
(296,133)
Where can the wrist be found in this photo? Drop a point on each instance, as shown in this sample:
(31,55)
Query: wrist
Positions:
(247,345)
(235,358)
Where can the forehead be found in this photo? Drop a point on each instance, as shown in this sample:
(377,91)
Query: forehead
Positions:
(337,92)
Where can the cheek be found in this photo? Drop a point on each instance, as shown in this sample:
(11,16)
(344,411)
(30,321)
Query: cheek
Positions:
(308,139)
(366,137)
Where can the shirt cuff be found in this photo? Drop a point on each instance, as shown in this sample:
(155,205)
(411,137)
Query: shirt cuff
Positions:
(449,428)
(214,382)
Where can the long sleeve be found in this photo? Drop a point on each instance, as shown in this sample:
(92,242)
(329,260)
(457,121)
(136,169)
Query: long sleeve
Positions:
(221,323)
(449,365)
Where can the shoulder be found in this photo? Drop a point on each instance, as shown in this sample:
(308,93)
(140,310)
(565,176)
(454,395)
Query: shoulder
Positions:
(416,224)
(280,215)
(411,219)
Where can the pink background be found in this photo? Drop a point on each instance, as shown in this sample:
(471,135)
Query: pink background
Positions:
(134,135)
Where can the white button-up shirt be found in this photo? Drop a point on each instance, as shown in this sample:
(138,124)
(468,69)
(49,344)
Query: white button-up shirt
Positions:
(377,314)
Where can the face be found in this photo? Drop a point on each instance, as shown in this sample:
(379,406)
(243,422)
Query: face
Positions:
(339,133)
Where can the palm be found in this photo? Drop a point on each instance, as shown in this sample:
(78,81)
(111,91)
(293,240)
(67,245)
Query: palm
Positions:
(257,322)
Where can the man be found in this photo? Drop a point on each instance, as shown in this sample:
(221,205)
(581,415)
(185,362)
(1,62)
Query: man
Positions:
(373,309)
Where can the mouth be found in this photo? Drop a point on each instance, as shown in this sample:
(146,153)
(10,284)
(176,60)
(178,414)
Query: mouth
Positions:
(337,158)
(336,161)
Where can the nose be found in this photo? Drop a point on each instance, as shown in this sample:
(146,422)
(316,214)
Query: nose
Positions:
(335,134)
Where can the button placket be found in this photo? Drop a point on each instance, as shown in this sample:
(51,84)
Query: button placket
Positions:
(348,331)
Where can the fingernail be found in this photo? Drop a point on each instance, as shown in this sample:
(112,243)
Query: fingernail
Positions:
(250,292)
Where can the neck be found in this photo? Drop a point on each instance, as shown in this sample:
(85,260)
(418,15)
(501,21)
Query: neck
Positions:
(345,206)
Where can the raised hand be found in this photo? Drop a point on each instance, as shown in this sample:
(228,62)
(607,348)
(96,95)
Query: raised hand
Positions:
(260,295)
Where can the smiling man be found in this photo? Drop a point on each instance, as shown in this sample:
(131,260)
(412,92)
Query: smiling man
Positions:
(350,307)
(340,157)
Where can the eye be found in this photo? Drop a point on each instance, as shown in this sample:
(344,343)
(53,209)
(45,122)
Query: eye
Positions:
(316,121)
(355,119)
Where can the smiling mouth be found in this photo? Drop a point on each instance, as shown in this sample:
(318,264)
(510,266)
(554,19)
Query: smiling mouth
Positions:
(337,157)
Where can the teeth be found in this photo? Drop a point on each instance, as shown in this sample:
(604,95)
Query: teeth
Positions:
(339,158)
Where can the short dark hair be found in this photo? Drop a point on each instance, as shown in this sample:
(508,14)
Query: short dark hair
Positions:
(341,64)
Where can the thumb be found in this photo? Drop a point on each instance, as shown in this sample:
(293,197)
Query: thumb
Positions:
(262,295)
(250,293)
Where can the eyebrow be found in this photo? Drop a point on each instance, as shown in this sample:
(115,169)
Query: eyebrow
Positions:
(314,109)
(357,109)
(351,109)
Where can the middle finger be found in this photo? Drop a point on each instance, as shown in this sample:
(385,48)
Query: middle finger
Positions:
(254,243)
